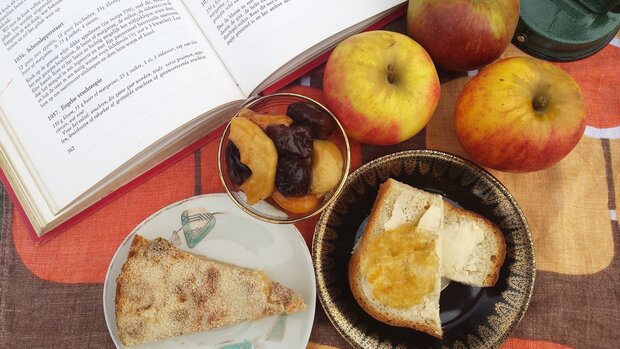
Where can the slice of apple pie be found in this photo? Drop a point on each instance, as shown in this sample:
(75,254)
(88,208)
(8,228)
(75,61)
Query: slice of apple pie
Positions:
(164,292)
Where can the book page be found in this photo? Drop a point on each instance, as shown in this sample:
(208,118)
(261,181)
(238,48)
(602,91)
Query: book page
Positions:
(256,37)
(87,85)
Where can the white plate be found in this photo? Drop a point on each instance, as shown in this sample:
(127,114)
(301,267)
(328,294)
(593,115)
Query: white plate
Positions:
(278,250)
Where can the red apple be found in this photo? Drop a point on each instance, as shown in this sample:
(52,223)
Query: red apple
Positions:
(382,86)
(520,114)
(463,35)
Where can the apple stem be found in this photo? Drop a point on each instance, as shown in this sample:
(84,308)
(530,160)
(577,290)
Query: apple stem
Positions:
(539,103)
(390,70)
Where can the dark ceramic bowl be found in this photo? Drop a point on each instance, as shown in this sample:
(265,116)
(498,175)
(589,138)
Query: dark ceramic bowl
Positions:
(472,317)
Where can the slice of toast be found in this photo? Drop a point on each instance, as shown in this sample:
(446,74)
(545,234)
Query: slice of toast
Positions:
(394,272)
(472,248)
(164,292)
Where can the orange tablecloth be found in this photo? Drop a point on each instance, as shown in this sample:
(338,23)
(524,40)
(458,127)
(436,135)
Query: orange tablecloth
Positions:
(51,295)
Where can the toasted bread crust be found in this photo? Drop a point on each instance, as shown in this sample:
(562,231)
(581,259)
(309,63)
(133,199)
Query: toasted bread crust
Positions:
(500,242)
(164,292)
(356,289)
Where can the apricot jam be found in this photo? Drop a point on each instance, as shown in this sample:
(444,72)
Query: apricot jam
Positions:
(401,266)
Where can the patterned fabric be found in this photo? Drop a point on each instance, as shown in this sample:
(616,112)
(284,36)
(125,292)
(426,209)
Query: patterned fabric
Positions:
(51,295)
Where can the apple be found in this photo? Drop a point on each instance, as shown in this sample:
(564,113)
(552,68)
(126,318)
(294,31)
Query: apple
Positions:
(463,35)
(520,114)
(382,86)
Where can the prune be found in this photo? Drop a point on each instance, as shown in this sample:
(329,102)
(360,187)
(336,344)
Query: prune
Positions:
(320,122)
(237,171)
(293,176)
(291,141)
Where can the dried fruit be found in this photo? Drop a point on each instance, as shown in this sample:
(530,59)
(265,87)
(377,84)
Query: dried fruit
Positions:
(327,166)
(236,170)
(293,176)
(258,152)
(320,122)
(296,204)
(291,141)
(265,120)
(273,155)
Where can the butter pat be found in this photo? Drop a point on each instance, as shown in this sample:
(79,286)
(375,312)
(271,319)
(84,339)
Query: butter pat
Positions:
(408,208)
(401,212)
(458,247)
(431,220)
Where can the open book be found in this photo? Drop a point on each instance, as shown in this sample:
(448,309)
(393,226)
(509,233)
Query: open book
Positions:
(95,93)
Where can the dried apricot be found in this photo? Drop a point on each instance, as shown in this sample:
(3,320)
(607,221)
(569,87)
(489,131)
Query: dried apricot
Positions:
(326,167)
(296,204)
(265,120)
(258,152)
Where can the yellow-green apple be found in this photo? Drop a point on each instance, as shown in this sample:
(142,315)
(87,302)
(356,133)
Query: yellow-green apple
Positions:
(520,114)
(382,86)
(463,35)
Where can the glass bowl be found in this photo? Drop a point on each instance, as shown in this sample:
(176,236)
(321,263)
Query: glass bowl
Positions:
(268,210)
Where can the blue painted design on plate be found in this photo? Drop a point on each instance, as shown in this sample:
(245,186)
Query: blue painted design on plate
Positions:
(197,223)
(277,331)
(174,238)
(244,345)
